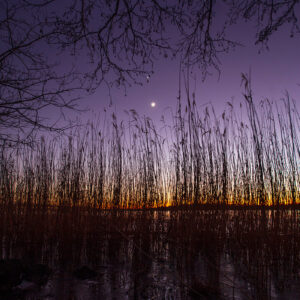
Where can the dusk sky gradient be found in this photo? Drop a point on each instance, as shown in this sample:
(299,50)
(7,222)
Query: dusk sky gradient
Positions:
(273,73)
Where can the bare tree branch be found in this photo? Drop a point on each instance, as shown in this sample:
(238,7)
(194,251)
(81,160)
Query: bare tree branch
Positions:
(54,52)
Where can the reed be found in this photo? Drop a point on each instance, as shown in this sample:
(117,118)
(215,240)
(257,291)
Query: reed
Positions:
(246,156)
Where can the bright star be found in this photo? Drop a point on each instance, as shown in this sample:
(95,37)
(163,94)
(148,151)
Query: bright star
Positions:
(153,104)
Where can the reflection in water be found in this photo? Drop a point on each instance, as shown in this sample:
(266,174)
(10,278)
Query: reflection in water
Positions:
(174,254)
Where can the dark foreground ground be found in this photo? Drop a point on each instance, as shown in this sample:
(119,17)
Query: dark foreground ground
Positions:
(211,253)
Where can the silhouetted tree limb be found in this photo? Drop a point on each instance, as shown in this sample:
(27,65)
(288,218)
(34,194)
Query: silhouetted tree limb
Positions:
(268,15)
(53,52)
(30,79)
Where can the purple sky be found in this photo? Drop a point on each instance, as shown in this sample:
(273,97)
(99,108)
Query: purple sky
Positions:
(273,72)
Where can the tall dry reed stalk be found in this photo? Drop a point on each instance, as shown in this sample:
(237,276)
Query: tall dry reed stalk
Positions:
(199,158)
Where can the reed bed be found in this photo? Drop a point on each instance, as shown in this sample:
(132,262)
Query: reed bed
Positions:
(249,155)
(197,207)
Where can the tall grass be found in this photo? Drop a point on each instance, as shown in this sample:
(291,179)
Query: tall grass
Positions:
(248,156)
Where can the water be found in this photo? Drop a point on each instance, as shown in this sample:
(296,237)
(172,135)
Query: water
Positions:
(175,254)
